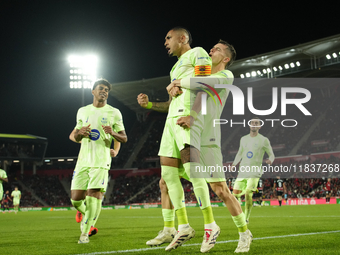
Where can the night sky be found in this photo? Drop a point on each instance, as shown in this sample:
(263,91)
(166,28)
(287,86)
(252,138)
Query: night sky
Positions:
(128,38)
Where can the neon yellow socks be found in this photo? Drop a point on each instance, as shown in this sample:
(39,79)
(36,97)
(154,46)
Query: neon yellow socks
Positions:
(240,222)
(79,205)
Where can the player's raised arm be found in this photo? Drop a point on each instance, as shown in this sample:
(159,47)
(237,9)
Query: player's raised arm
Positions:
(143,101)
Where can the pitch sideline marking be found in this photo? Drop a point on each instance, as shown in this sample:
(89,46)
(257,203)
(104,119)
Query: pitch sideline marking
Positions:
(194,244)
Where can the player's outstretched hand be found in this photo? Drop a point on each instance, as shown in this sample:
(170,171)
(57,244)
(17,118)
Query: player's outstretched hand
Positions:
(185,122)
(85,131)
(108,130)
(143,100)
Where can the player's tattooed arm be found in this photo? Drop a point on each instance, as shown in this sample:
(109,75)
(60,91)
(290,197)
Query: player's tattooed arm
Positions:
(161,106)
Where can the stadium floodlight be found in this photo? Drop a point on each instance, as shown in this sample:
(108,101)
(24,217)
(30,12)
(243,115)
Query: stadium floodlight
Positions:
(292,65)
(286,66)
(259,72)
(274,68)
(280,67)
(264,71)
(242,75)
(298,63)
(253,73)
(86,69)
(268,70)
(328,56)
(248,75)
(334,55)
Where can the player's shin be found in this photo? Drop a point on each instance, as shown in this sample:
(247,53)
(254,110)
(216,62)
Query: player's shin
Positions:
(99,209)
(201,191)
(240,222)
(90,213)
(176,193)
(169,218)
(248,204)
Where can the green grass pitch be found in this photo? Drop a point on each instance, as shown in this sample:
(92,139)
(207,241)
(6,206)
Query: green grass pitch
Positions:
(309,229)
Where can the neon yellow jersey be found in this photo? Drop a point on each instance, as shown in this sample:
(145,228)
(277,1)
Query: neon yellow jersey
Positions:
(251,153)
(211,134)
(16,194)
(186,66)
(2,175)
(95,149)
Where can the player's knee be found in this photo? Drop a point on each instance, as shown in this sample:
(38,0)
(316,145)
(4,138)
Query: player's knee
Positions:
(167,175)
(162,185)
(249,193)
(220,190)
(76,203)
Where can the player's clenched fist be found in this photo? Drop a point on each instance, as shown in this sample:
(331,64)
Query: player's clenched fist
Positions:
(108,130)
(113,153)
(143,100)
(185,122)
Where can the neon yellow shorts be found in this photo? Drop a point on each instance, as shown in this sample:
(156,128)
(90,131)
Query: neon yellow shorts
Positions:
(211,158)
(246,184)
(85,178)
(174,138)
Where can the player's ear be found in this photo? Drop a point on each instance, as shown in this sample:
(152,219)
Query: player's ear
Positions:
(226,60)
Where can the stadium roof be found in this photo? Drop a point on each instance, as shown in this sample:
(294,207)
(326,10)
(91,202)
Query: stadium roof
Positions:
(17,137)
(308,57)
(22,147)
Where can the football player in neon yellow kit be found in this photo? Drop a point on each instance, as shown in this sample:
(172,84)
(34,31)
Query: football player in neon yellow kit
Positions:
(97,125)
(79,216)
(251,152)
(180,147)
(222,55)
(16,194)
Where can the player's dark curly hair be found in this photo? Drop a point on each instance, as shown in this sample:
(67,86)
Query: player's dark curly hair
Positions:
(231,50)
(102,81)
(184,30)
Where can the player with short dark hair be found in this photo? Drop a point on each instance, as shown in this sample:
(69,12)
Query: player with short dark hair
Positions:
(180,147)
(97,125)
